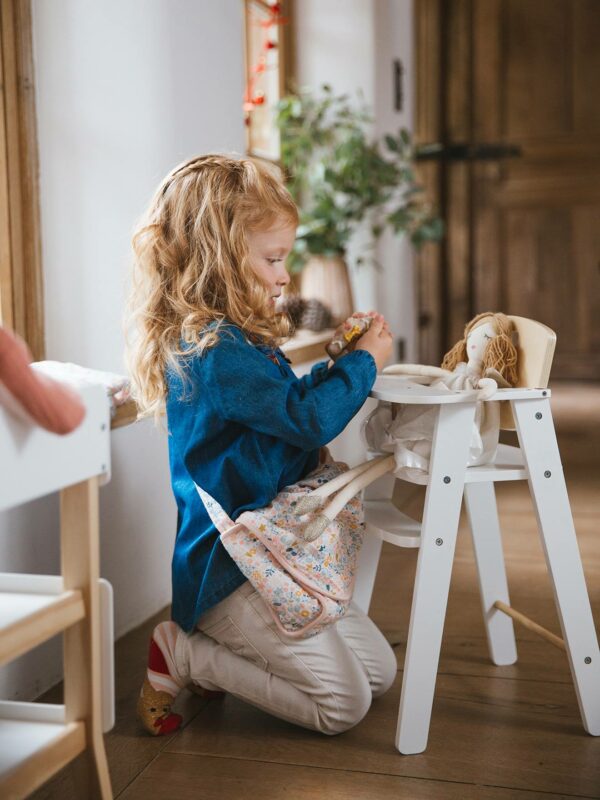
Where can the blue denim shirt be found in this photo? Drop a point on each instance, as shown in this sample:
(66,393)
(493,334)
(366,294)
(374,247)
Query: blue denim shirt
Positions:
(243,427)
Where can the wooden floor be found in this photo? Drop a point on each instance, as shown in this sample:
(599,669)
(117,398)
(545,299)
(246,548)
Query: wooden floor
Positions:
(503,733)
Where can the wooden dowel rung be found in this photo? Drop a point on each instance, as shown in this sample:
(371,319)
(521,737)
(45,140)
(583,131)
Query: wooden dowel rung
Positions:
(530,624)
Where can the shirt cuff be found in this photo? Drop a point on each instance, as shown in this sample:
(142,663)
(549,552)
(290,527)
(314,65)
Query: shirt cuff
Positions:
(360,361)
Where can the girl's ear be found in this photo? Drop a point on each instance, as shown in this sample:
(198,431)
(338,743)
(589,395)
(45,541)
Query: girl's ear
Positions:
(454,356)
(501,354)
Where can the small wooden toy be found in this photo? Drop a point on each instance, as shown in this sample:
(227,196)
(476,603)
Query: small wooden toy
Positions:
(347,333)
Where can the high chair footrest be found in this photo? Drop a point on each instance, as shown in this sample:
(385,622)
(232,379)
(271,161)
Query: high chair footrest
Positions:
(33,608)
(384,520)
(508,466)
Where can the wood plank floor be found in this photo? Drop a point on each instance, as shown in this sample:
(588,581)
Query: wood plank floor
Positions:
(503,733)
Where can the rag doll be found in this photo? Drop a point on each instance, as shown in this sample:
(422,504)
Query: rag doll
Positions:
(483,360)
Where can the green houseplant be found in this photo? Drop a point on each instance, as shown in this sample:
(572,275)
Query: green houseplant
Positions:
(341,178)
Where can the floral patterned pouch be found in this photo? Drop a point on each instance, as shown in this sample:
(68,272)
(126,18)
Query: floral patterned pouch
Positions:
(306,585)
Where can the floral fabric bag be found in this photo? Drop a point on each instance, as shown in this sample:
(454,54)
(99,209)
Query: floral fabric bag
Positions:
(306,585)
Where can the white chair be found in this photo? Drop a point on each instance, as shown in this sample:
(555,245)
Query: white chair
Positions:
(38,739)
(537,460)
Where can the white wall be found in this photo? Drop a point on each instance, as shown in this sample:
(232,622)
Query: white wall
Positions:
(335,44)
(397,285)
(125,90)
(351,44)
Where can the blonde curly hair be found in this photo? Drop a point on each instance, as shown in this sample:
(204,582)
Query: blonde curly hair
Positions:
(500,354)
(191,267)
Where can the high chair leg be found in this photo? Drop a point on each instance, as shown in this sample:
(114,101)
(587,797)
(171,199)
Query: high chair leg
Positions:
(480,501)
(549,493)
(443,499)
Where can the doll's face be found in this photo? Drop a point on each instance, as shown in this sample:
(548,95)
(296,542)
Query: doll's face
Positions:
(477,341)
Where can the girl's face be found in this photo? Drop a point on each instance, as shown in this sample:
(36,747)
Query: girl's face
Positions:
(268,252)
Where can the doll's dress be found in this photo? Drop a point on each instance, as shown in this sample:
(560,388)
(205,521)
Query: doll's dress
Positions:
(410,434)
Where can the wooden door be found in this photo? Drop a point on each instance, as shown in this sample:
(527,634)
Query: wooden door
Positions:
(523,232)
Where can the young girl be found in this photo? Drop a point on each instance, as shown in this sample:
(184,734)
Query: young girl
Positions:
(209,263)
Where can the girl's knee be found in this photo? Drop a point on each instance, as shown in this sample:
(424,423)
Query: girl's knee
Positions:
(344,712)
(388,669)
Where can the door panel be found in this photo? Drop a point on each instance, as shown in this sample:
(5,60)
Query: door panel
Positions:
(536,55)
(522,232)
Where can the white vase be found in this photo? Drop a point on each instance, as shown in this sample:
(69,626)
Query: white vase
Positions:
(327,279)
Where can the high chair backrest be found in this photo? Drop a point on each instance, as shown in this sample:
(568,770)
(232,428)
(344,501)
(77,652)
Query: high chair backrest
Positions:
(535,344)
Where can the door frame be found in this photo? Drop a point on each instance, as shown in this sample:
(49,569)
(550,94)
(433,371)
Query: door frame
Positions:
(21,284)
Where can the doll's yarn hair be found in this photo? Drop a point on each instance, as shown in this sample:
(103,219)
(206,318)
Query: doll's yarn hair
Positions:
(500,354)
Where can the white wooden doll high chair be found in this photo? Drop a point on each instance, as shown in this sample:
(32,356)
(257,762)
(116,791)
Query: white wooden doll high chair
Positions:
(537,460)
(37,739)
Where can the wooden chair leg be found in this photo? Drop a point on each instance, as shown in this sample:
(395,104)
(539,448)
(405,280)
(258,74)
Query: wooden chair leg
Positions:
(434,567)
(537,438)
(82,663)
(480,501)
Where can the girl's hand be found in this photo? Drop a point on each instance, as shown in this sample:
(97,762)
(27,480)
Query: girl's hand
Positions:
(352,344)
(377,340)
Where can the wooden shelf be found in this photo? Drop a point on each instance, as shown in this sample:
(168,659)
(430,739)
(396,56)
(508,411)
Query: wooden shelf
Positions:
(307,345)
(33,608)
(125,415)
(35,742)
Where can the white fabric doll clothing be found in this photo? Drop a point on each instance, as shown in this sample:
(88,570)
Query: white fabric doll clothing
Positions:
(410,435)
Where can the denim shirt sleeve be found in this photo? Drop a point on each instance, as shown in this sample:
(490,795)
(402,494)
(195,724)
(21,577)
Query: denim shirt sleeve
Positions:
(248,388)
(317,375)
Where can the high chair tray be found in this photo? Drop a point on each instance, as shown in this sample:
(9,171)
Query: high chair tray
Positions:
(403,389)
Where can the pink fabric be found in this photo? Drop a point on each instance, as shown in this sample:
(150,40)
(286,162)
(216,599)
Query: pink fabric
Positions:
(306,585)
(32,396)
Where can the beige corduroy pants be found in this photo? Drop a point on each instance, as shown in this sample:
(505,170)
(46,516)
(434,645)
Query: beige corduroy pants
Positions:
(325,683)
